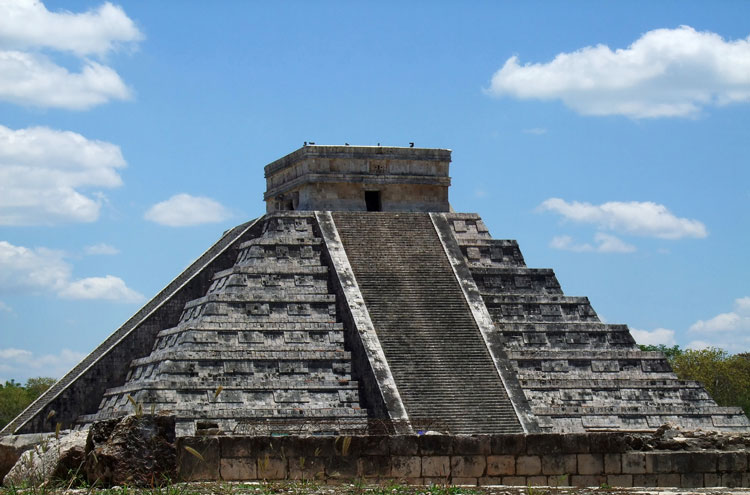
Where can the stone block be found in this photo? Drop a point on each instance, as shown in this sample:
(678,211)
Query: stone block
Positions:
(192,468)
(501,465)
(668,480)
(634,463)
(307,447)
(536,481)
(368,445)
(559,464)
(465,466)
(471,445)
(545,443)
(587,480)
(436,466)
(590,463)
(272,467)
(556,480)
(530,465)
(438,445)
(403,445)
(232,446)
(731,480)
(731,462)
(490,481)
(645,480)
(576,443)
(406,466)
(712,479)
(339,466)
(613,463)
(607,443)
(691,480)
(621,480)
(375,466)
(464,481)
(680,462)
(238,469)
(514,480)
(508,444)
(306,468)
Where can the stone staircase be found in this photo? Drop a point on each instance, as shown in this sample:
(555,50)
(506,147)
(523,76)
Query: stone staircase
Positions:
(577,373)
(441,365)
(263,346)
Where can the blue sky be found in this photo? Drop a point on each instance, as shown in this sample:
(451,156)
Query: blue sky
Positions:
(610,139)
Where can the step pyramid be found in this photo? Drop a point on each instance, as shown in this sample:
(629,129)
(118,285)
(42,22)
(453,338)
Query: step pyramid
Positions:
(361,299)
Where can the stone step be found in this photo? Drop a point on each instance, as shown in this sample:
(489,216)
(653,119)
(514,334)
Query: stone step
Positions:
(423,322)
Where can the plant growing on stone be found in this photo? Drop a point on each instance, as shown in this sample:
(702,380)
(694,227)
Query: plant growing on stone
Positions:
(345,444)
(137,406)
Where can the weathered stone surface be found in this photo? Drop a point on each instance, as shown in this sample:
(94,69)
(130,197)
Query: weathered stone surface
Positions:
(204,466)
(590,464)
(559,464)
(528,465)
(275,327)
(139,450)
(406,466)
(575,371)
(501,465)
(306,468)
(240,469)
(53,458)
(468,466)
(436,466)
(12,446)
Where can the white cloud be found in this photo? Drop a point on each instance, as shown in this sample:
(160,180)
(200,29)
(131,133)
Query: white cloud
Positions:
(45,270)
(610,244)
(658,336)
(730,331)
(101,249)
(23,269)
(5,308)
(638,218)
(183,210)
(33,79)
(109,288)
(605,243)
(28,24)
(664,73)
(29,77)
(42,172)
(21,364)
(566,243)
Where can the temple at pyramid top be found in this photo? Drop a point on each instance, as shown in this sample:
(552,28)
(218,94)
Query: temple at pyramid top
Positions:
(359,178)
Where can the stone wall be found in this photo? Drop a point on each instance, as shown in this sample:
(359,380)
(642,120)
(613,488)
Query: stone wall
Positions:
(336,178)
(583,459)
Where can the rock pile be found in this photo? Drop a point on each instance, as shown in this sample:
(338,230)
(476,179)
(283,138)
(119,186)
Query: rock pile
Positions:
(672,437)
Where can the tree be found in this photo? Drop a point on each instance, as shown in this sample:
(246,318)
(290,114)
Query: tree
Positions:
(14,397)
(726,377)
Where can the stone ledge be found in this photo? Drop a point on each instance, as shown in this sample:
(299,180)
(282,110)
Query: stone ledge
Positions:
(518,460)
